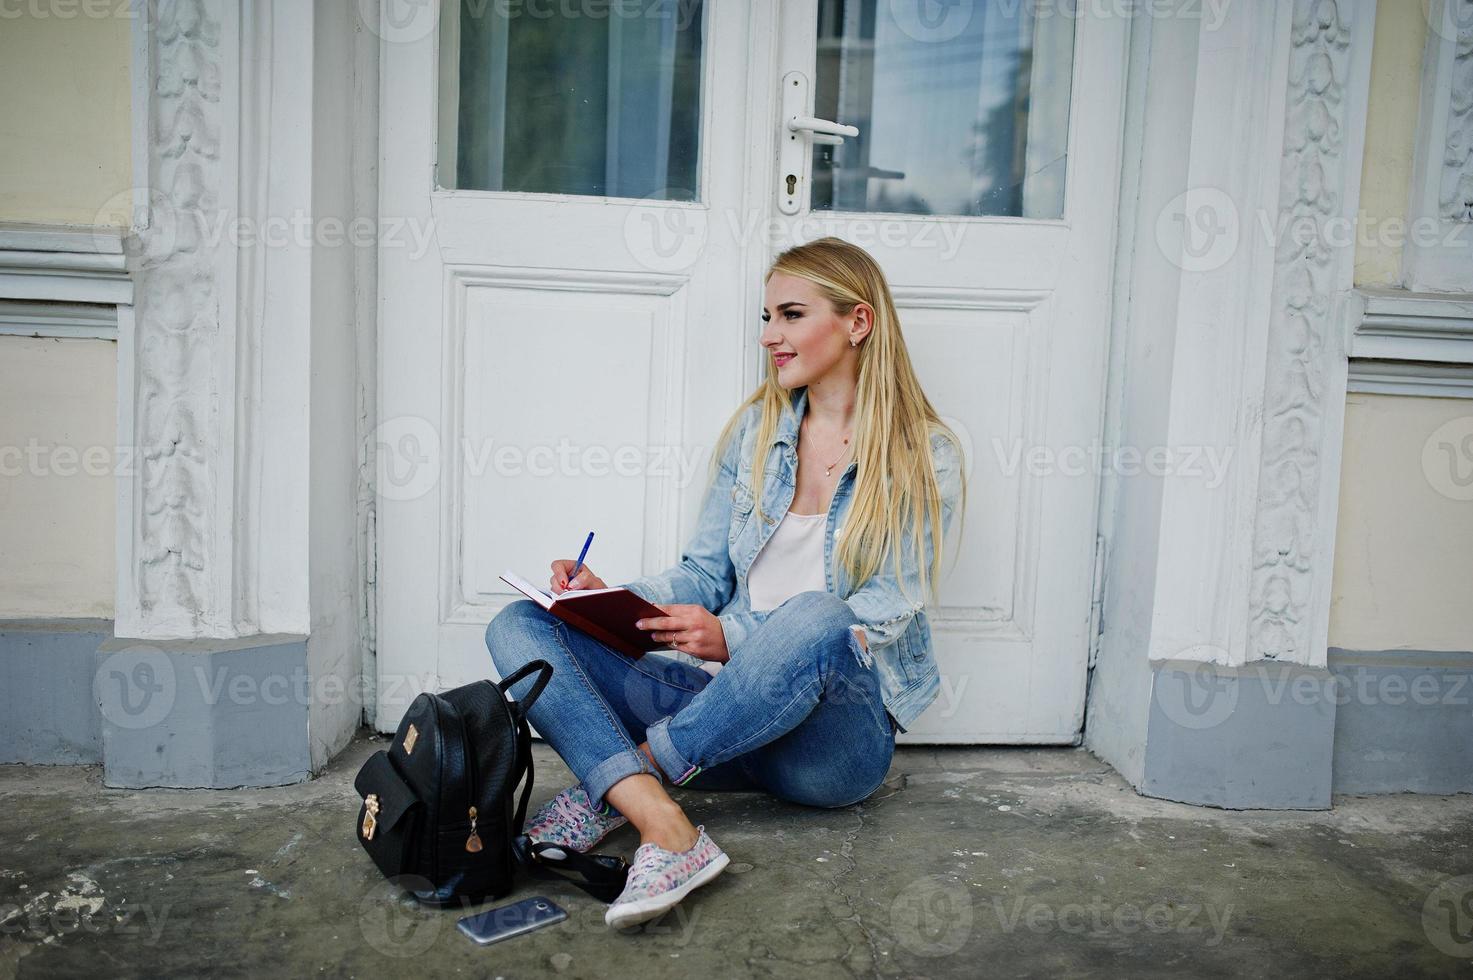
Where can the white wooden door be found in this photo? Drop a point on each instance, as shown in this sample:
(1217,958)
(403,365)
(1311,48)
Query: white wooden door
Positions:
(604,195)
(983,178)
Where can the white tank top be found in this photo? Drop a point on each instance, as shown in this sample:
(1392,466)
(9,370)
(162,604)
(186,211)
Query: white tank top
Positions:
(790,562)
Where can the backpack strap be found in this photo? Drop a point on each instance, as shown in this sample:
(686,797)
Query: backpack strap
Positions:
(524,757)
(601,875)
(520,706)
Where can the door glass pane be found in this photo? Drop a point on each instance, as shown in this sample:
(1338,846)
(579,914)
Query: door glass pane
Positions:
(962,109)
(600,99)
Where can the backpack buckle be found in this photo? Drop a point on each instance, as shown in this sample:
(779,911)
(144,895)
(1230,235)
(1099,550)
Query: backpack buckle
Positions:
(370,815)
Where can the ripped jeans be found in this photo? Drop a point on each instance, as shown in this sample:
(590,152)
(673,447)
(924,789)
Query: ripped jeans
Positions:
(793,712)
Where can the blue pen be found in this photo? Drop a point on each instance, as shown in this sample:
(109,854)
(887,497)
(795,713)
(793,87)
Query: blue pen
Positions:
(579,563)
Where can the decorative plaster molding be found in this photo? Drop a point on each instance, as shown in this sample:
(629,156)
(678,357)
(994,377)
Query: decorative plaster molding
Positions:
(1412,378)
(214,365)
(1398,325)
(1438,255)
(177,317)
(1456,197)
(1303,400)
(63,264)
(71,321)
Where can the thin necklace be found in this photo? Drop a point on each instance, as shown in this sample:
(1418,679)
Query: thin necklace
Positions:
(830,468)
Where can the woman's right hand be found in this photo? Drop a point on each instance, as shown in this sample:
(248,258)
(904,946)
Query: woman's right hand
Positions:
(585,580)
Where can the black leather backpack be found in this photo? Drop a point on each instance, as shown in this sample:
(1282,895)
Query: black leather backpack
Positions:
(437,813)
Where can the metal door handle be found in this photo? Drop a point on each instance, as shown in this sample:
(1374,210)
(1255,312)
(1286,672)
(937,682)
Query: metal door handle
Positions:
(828,127)
(801,132)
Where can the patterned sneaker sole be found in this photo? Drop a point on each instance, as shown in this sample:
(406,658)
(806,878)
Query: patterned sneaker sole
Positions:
(630,913)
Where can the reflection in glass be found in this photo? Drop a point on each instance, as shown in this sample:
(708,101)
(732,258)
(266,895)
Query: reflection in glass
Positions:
(964,116)
(551,98)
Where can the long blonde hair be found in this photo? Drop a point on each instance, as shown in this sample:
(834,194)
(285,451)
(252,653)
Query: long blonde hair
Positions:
(893,420)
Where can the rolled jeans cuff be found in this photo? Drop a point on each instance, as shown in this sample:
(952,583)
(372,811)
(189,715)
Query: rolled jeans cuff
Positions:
(679,769)
(610,771)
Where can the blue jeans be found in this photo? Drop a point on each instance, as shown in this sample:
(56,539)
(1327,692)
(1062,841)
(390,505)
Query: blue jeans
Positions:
(793,712)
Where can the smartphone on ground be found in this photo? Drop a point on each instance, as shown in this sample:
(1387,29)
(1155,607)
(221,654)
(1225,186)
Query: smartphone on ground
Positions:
(506,921)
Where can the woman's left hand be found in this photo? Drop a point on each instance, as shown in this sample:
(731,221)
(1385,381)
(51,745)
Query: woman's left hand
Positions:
(690,629)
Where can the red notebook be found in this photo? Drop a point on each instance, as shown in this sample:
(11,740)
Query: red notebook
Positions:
(607,615)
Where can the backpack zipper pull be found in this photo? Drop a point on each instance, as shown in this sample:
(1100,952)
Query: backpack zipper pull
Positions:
(473,842)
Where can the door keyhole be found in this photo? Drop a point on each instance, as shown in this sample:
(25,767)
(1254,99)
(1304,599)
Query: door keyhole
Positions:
(792,184)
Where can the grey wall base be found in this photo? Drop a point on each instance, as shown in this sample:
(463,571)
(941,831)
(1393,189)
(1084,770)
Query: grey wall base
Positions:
(1259,736)
(1405,722)
(178,713)
(47,715)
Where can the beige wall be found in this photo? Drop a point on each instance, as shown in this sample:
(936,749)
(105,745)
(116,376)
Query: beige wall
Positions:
(64,113)
(64,156)
(1403,575)
(1404,542)
(57,438)
(1391,129)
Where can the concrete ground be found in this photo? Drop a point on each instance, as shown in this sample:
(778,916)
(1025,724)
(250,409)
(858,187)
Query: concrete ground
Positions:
(969,862)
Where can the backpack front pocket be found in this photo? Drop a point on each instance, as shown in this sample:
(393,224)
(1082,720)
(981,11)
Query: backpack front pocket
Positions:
(390,816)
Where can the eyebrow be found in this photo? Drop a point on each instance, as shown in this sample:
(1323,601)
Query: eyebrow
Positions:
(784,306)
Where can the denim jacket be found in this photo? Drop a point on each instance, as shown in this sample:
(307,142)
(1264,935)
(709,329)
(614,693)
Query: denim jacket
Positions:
(713,568)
